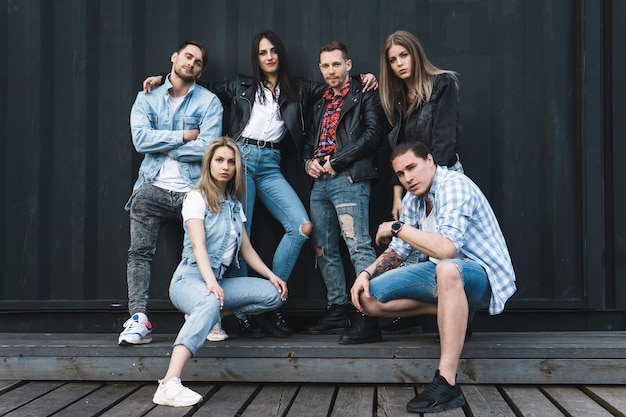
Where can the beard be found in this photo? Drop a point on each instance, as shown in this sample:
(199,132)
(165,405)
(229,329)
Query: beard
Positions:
(185,76)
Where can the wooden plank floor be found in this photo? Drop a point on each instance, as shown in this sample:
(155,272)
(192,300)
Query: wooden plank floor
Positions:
(578,358)
(134,399)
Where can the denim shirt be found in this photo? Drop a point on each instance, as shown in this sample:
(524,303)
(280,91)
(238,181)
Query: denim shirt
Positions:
(155,133)
(217,232)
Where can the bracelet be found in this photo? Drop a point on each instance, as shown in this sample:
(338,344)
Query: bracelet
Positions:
(368,274)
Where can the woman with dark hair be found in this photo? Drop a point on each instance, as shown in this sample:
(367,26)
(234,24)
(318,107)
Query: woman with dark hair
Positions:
(213,222)
(421,103)
(265,114)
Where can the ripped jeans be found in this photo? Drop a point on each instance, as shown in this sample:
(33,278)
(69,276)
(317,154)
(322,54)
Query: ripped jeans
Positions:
(418,281)
(265,181)
(340,207)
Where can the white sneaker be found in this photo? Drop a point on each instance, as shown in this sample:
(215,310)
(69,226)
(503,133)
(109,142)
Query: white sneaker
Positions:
(137,331)
(175,394)
(216,334)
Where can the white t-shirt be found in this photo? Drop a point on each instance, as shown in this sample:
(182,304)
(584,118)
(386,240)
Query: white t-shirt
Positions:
(429,224)
(195,207)
(169,176)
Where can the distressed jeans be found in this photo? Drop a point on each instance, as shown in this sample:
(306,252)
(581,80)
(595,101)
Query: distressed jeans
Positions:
(152,207)
(340,207)
(418,281)
(265,180)
(243,296)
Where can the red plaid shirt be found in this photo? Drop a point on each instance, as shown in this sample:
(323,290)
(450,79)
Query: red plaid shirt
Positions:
(330,120)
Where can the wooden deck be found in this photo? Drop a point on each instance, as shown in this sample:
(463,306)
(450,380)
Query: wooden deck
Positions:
(126,399)
(501,374)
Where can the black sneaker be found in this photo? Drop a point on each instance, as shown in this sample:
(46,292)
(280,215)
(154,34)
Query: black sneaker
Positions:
(250,330)
(365,330)
(438,396)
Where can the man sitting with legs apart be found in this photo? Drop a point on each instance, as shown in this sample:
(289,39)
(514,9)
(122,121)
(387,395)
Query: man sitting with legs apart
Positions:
(446,255)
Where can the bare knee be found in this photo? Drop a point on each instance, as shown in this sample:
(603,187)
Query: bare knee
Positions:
(448,276)
(306,229)
(319,251)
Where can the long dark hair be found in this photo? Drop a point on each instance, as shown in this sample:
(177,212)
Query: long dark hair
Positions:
(288,87)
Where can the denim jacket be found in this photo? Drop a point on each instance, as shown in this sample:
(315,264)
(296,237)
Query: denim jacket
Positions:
(217,232)
(155,133)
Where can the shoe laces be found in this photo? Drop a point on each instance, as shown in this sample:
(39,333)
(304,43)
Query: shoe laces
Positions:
(362,322)
(279,317)
(435,389)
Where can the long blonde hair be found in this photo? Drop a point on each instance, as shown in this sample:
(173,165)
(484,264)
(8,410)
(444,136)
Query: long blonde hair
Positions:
(206,183)
(423,72)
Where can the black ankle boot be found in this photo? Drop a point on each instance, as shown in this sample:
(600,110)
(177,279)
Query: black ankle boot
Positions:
(403,325)
(366,330)
(335,320)
(272,324)
(249,329)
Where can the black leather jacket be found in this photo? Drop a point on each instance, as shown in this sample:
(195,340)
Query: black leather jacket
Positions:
(237,97)
(436,123)
(359,134)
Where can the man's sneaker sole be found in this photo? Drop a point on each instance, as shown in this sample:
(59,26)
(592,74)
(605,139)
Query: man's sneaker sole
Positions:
(453,403)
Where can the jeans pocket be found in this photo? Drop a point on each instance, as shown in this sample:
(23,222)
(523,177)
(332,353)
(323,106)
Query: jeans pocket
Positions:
(276,155)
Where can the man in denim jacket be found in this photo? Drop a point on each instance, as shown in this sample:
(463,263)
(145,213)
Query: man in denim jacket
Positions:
(172,128)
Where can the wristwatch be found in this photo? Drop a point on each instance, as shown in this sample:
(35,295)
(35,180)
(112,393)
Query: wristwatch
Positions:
(396,227)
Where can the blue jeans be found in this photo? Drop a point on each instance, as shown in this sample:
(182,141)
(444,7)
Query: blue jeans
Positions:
(152,207)
(417,281)
(265,180)
(243,296)
(339,207)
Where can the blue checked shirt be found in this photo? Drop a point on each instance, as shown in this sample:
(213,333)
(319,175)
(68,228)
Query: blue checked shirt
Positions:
(465,217)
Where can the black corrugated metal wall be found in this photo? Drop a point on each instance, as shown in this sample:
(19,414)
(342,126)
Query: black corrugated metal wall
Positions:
(541,99)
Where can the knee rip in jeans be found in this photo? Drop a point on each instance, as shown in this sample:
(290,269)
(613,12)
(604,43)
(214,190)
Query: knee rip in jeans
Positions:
(347,225)
(306,229)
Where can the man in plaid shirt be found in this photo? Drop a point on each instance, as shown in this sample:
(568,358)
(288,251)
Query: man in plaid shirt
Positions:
(446,255)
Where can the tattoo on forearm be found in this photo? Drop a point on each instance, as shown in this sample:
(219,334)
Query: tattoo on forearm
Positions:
(386,261)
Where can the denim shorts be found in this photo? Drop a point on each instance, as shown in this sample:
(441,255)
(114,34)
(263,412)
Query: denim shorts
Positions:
(417,281)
